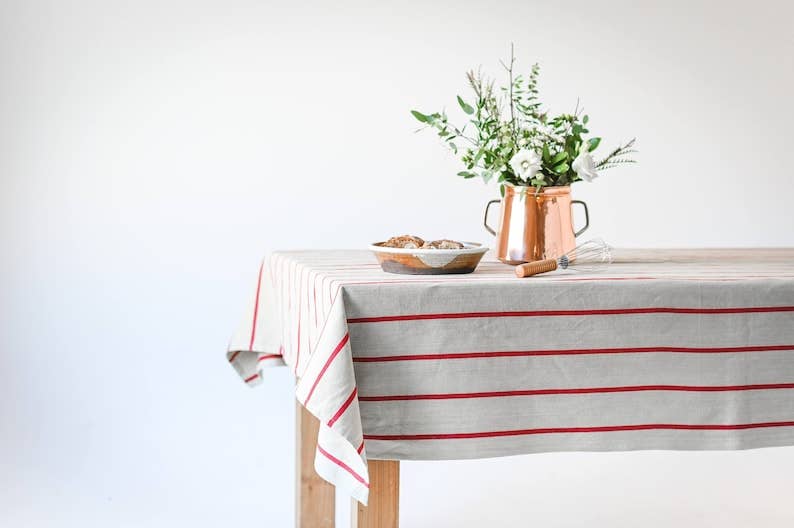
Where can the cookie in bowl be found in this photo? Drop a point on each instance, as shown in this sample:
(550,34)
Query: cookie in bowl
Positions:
(405,242)
(442,244)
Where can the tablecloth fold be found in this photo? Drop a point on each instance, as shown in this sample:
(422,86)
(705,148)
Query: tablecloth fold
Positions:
(285,324)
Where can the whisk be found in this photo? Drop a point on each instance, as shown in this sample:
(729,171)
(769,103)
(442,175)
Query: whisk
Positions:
(593,255)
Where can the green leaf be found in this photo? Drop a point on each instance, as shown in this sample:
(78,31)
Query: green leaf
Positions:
(466,108)
(559,157)
(422,118)
(561,169)
(479,154)
(466,174)
(585,119)
(546,153)
(594,142)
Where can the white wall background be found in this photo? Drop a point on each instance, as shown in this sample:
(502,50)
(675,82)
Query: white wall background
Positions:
(152,151)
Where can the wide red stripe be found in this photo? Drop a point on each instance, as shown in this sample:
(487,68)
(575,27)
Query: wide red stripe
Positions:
(343,408)
(573,352)
(586,390)
(339,347)
(555,313)
(597,429)
(256,307)
(360,448)
(342,465)
(268,356)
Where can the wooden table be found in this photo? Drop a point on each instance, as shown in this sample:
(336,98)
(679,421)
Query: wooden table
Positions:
(315,498)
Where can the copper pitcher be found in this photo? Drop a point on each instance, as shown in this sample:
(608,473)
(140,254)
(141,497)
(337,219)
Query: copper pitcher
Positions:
(535,225)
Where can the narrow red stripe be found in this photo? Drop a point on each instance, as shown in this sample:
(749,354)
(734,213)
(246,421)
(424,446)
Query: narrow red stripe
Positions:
(339,347)
(300,302)
(553,313)
(343,408)
(597,429)
(573,352)
(360,448)
(342,465)
(587,390)
(268,356)
(314,291)
(298,354)
(256,306)
(234,356)
(251,378)
(490,277)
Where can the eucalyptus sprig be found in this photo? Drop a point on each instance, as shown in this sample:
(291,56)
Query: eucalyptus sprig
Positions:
(511,138)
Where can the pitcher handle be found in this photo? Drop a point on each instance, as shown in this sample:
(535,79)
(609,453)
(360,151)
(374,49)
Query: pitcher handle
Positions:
(586,217)
(485,218)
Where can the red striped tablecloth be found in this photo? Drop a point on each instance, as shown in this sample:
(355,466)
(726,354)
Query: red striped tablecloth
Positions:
(691,353)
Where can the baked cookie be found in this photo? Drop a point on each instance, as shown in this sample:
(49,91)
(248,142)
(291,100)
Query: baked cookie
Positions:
(442,244)
(405,242)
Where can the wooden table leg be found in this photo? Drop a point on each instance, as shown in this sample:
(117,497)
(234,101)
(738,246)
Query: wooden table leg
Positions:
(314,497)
(383,510)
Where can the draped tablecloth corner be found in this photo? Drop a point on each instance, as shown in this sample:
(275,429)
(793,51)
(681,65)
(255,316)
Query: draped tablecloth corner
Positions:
(696,355)
(317,353)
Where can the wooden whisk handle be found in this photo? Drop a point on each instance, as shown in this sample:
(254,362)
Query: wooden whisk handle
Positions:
(533,268)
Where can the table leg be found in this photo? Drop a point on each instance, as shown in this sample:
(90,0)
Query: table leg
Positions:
(383,510)
(314,497)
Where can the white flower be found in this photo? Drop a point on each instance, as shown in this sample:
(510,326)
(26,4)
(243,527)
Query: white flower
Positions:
(525,163)
(583,165)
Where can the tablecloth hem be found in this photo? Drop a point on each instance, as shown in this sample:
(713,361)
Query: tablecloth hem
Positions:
(249,364)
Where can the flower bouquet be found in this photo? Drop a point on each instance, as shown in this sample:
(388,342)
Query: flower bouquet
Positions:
(510,137)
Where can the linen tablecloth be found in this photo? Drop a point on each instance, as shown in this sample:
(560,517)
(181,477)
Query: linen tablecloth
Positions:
(695,354)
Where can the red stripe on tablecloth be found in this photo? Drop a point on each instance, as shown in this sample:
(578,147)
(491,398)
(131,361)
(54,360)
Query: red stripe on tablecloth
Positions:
(298,353)
(314,291)
(234,356)
(724,277)
(573,352)
(584,390)
(360,448)
(489,277)
(343,408)
(596,429)
(251,378)
(552,313)
(256,306)
(342,465)
(268,356)
(339,347)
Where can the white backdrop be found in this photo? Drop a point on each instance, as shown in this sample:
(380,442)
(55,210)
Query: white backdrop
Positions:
(151,152)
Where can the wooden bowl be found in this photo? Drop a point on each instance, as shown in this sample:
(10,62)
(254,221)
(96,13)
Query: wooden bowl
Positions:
(429,261)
